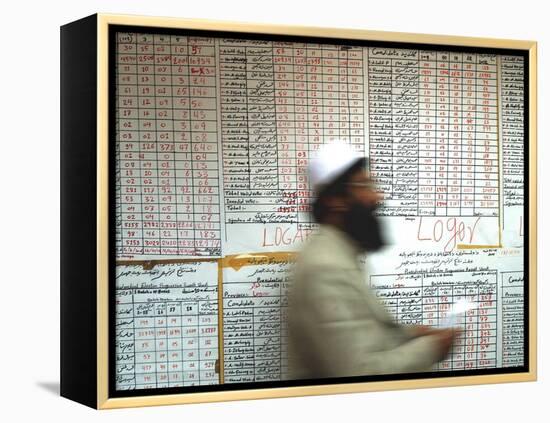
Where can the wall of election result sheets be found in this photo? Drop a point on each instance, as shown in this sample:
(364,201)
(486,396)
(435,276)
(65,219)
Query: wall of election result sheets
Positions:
(213,138)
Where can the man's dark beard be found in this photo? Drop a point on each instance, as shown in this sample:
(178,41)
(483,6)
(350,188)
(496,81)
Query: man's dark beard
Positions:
(364,227)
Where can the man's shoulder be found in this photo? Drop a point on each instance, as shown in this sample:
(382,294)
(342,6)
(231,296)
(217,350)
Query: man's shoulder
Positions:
(328,248)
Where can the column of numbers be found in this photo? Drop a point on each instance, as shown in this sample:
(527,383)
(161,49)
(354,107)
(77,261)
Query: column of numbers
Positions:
(208,342)
(147,103)
(161,347)
(183,162)
(314,89)
(351,94)
(190,329)
(128,142)
(175,344)
(471,329)
(284,111)
(487,326)
(445,302)
(204,143)
(458,351)
(469,112)
(442,133)
(486,149)
(145,346)
(427,86)
(164,119)
(334,88)
(455,134)
(301,138)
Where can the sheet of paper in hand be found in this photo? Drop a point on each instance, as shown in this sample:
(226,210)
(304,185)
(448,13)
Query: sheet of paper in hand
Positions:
(458,310)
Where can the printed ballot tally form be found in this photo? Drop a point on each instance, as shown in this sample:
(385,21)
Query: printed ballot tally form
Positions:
(185,199)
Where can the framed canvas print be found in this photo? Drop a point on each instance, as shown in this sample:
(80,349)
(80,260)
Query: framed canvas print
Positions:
(186,201)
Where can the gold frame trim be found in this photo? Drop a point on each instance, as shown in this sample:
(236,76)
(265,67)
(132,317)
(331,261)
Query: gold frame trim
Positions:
(103,21)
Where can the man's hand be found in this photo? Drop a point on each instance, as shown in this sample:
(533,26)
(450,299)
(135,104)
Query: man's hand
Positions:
(445,337)
(423,330)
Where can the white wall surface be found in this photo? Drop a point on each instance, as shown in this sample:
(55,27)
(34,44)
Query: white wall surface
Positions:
(29,207)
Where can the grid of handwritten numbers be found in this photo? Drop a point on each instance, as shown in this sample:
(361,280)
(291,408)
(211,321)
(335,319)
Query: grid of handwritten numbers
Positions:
(280,101)
(433,132)
(164,344)
(167,163)
(426,299)
(476,348)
